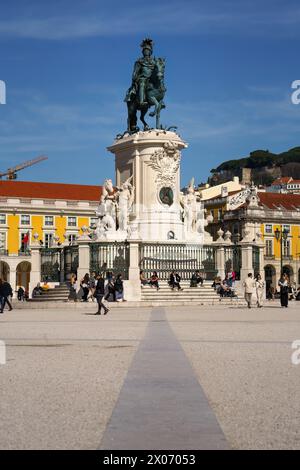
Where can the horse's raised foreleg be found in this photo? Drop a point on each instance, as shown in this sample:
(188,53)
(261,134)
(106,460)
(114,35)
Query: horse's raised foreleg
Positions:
(142,116)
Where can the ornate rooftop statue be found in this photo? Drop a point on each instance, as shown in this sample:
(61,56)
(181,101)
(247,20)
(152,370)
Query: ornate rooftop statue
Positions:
(147,88)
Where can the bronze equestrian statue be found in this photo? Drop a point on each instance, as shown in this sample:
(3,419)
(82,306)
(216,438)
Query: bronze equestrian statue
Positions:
(147,88)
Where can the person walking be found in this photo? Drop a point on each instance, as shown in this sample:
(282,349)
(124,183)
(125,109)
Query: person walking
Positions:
(284,290)
(99,294)
(249,288)
(5,292)
(260,286)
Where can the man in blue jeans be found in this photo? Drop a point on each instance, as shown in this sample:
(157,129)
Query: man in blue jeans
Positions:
(5,292)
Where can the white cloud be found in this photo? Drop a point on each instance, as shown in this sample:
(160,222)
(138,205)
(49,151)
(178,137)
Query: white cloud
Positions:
(165,18)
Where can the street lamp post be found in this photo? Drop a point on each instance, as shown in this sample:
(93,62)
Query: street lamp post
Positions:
(281,235)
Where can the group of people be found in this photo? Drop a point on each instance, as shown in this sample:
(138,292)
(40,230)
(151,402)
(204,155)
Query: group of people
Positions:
(288,290)
(258,285)
(250,285)
(225,287)
(97,287)
(174,280)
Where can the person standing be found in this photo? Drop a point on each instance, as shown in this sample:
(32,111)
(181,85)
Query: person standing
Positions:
(119,288)
(99,294)
(260,285)
(249,288)
(284,290)
(5,292)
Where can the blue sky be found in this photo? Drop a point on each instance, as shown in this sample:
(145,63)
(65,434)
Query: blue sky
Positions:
(67,65)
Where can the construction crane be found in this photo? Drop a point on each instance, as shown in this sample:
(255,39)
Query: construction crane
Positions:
(11,173)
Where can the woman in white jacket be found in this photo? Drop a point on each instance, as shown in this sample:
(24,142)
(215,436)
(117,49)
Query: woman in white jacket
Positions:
(260,285)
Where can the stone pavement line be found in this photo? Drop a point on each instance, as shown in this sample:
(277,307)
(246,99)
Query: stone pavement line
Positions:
(161,404)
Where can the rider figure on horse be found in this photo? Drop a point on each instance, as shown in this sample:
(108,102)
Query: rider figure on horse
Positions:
(143,69)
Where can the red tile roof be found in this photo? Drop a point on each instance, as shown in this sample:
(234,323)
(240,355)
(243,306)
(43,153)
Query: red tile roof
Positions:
(69,192)
(294,181)
(282,180)
(277,200)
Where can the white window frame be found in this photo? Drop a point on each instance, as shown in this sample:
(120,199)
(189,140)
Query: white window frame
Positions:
(268,225)
(48,225)
(286,247)
(21,223)
(4,232)
(269,241)
(73,235)
(44,236)
(23,231)
(5,219)
(68,221)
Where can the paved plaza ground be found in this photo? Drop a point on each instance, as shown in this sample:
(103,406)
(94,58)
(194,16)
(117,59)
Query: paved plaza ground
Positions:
(206,377)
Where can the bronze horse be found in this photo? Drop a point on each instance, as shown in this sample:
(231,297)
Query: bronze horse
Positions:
(155,92)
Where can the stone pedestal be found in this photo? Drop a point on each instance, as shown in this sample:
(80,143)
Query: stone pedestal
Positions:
(153,159)
(132,287)
(247,261)
(220,259)
(83,257)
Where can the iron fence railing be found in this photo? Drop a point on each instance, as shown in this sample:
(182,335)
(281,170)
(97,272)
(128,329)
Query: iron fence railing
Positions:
(183,258)
(110,256)
(70,261)
(255,260)
(51,264)
(233,259)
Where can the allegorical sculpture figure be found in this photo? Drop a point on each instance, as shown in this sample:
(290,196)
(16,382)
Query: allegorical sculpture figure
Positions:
(107,205)
(114,201)
(190,207)
(147,88)
(125,201)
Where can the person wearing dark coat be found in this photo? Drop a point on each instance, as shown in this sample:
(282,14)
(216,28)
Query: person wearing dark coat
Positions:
(99,294)
(119,288)
(5,292)
(175,280)
(111,289)
(21,294)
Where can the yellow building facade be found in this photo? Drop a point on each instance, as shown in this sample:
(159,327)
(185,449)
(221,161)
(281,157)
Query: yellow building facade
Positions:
(45,213)
(277,221)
